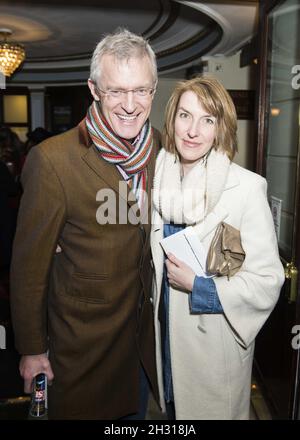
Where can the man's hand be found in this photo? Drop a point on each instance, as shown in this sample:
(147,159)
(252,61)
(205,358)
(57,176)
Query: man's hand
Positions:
(180,275)
(31,366)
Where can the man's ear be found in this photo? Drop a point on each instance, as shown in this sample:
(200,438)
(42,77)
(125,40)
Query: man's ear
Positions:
(93,90)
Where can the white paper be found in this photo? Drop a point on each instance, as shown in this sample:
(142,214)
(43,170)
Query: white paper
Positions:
(276,212)
(187,247)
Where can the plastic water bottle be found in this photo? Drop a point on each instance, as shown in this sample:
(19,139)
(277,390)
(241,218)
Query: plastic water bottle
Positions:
(38,398)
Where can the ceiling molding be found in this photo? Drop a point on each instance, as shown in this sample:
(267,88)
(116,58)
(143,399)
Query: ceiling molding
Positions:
(60,35)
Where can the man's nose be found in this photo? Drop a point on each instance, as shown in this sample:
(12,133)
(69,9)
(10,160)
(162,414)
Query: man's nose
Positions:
(128,102)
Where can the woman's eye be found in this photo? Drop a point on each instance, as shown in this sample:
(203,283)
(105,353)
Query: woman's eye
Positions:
(210,121)
(183,115)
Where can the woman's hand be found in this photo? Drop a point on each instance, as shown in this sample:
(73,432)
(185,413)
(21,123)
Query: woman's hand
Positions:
(180,275)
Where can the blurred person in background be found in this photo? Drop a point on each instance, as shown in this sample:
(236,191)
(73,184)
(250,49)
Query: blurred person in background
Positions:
(11,151)
(35,137)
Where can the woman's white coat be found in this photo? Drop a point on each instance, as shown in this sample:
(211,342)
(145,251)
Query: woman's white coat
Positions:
(212,354)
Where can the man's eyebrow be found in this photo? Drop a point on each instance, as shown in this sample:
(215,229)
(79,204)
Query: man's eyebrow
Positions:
(125,88)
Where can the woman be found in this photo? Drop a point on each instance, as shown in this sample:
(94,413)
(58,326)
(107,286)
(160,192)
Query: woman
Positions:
(206,327)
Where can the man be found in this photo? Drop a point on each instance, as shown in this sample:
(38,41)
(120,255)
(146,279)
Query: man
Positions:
(89,304)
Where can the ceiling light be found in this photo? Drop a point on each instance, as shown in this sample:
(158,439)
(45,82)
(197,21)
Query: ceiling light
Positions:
(11,54)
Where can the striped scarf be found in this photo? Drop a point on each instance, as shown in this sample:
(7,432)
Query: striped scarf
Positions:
(132,158)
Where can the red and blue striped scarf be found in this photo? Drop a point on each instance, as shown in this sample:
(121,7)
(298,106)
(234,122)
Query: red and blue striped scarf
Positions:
(131,157)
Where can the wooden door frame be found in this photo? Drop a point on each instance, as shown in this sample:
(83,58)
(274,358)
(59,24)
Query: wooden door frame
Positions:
(265,8)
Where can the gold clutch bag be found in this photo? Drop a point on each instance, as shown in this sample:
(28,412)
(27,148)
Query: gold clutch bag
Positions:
(226,254)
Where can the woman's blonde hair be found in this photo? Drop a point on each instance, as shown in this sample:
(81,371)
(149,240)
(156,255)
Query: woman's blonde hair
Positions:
(216,101)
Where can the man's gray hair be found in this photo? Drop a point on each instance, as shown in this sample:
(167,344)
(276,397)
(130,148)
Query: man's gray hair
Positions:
(124,45)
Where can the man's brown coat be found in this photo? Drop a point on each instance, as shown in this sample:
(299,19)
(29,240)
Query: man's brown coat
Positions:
(90,303)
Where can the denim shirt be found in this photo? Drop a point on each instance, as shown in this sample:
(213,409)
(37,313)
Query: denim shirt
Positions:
(203,299)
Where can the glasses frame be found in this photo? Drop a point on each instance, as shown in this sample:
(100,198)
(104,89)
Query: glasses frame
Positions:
(122,93)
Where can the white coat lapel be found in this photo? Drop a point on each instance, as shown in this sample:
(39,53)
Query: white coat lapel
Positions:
(157,234)
(219,212)
(211,222)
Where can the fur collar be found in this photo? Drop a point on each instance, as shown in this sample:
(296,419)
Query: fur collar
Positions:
(190,200)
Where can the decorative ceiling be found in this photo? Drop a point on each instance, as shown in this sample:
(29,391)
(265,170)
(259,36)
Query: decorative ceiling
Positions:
(59,36)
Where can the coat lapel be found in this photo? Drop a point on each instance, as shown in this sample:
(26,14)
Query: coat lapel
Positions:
(112,177)
(150,169)
(215,217)
(219,212)
(105,171)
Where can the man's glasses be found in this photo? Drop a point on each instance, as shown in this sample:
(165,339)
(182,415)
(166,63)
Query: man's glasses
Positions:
(142,92)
